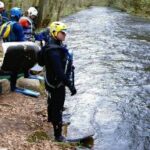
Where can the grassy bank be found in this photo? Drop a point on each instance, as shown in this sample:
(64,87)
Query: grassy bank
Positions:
(138,7)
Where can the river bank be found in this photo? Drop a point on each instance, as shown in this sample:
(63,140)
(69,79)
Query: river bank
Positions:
(24,126)
(138,8)
(112,59)
(111,51)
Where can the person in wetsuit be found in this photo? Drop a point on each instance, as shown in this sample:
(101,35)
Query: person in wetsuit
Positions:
(55,59)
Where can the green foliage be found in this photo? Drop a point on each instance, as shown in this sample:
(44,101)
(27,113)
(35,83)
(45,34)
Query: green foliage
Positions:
(140,7)
(52,10)
(37,136)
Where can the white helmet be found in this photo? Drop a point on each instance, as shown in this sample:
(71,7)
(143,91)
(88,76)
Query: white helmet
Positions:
(32,11)
(2,5)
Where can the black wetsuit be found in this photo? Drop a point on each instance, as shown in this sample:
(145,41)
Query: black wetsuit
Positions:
(55,59)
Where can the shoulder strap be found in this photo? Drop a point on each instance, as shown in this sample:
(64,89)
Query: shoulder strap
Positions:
(12,22)
(4,28)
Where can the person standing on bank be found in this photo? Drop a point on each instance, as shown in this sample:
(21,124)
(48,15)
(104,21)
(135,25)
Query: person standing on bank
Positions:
(55,61)
(3,14)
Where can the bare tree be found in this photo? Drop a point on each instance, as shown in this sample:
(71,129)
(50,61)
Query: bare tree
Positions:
(60,6)
(40,11)
(10,4)
(51,9)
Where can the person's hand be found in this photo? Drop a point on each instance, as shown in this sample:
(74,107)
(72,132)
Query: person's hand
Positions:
(73,90)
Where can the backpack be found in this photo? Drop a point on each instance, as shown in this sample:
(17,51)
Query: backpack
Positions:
(41,53)
(6,29)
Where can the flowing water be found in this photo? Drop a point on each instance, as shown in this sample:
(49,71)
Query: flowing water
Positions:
(112,59)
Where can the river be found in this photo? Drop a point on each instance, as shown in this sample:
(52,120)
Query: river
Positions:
(111,54)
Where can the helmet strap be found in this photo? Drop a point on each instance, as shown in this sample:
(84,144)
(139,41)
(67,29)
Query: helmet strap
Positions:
(54,35)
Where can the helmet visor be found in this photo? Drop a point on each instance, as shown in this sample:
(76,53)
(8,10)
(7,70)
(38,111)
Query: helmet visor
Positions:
(64,31)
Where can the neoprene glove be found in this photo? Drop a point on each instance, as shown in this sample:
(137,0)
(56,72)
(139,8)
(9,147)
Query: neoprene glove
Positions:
(72,90)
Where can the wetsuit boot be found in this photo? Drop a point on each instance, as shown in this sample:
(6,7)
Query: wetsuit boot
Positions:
(57,133)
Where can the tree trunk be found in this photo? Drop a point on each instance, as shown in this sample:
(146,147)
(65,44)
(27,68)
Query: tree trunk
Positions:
(40,12)
(10,4)
(60,7)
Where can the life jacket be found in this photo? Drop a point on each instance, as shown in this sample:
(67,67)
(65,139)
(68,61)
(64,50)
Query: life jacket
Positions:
(28,28)
(7,33)
(69,68)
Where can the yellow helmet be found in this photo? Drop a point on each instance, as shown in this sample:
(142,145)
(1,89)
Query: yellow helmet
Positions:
(56,27)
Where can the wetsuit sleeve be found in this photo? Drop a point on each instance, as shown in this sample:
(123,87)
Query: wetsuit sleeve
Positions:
(58,68)
(18,30)
(5,14)
(39,36)
(4,17)
(44,35)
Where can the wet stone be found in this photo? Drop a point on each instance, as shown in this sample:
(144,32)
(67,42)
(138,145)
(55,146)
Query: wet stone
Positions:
(31,84)
(4,86)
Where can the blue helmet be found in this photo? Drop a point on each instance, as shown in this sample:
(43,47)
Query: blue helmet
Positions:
(16,13)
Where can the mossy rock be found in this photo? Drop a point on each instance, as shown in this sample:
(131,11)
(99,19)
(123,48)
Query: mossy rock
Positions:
(31,84)
(37,136)
(4,86)
(147,69)
(148,106)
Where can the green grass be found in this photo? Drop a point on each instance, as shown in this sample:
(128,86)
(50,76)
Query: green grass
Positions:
(37,136)
(139,8)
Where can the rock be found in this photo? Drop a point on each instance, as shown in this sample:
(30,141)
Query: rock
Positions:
(4,86)
(31,84)
(1,60)
(1,53)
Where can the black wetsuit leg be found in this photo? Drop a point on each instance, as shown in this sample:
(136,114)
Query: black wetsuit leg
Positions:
(13,80)
(55,107)
(26,73)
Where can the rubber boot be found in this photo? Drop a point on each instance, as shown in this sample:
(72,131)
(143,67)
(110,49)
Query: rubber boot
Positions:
(57,133)
(60,139)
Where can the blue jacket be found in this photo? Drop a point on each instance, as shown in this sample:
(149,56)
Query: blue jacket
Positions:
(43,36)
(29,31)
(16,33)
(3,17)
